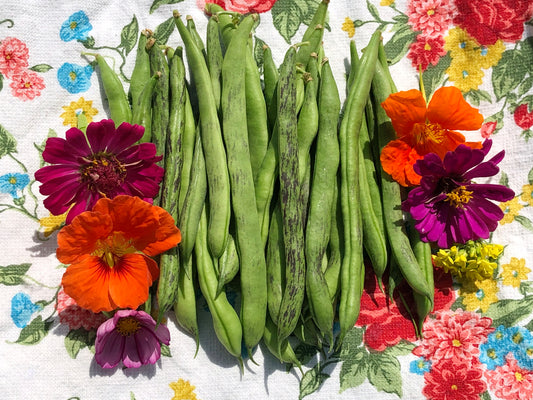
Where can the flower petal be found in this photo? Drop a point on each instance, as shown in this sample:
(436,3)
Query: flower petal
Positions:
(405,109)
(125,136)
(131,357)
(450,110)
(397,159)
(148,346)
(109,349)
(167,235)
(99,133)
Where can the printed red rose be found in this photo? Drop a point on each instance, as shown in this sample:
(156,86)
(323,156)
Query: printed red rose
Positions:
(387,323)
(241,6)
(488,21)
(522,117)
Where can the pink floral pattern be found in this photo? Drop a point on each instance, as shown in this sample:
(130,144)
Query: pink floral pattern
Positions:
(509,381)
(426,50)
(431,17)
(26,84)
(13,56)
(74,316)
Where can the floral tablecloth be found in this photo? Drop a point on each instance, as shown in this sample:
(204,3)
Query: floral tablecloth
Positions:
(478,343)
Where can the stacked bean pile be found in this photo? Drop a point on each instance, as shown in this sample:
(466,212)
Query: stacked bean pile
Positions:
(276,188)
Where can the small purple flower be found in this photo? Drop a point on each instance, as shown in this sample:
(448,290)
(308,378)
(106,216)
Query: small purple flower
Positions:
(448,207)
(131,337)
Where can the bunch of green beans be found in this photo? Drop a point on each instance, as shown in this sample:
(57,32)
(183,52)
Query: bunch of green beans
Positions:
(274,182)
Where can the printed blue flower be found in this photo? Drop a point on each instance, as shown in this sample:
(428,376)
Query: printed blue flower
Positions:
(492,355)
(76,27)
(22,309)
(13,183)
(521,345)
(74,78)
(420,366)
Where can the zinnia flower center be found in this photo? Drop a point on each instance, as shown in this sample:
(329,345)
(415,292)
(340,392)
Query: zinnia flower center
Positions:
(112,248)
(454,387)
(103,174)
(518,376)
(428,132)
(456,343)
(128,326)
(459,196)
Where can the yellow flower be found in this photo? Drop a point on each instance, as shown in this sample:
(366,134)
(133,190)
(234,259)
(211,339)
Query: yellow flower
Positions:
(515,272)
(489,56)
(348,27)
(465,73)
(52,223)
(183,390)
(527,194)
(479,294)
(386,3)
(77,107)
(460,44)
(510,209)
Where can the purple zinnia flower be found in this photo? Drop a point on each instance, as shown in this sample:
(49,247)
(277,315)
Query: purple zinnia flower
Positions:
(448,207)
(131,337)
(105,162)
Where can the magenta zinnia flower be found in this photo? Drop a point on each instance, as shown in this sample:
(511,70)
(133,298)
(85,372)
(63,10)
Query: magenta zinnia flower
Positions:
(448,207)
(131,337)
(105,162)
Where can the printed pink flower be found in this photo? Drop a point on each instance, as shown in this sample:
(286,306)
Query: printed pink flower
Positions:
(488,21)
(26,84)
(241,6)
(522,117)
(13,56)
(74,316)
(487,129)
(387,323)
(453,380)
(131,337)
(426,50)
(431,17)
(453,335)
(509,381)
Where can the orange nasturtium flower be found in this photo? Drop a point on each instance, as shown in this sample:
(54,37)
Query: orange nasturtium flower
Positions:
(109,250)
(422,129)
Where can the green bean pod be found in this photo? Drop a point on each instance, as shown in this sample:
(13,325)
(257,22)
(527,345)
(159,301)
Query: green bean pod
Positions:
(119,107)
(270,81)
(191,26)
(141,70)
(284,351)
(185,305)
(214,57)
(142,112)
(228,265)
(215,154)
(275,259)
(187,148)
(335,247)
(291,210)
(313,34)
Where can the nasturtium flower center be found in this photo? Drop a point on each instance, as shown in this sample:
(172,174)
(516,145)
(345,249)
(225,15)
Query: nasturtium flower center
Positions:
(428,132)
(112,248)
(103,173)
(459,196)
(128,326)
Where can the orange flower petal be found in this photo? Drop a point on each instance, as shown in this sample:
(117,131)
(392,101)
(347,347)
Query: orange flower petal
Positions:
(449,109)
(167,235)
(405,109)
(397,159)
(87,282)
(79,237)
(130,280)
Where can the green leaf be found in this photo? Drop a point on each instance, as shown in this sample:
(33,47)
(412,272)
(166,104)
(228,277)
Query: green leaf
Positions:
(504,180)
(1,82)
(525,86)
(530,176)
(399,43)
(13,274)
(88,43)
(132,396)
(372,9)
(354,371)
(287,15)
(351,343)
(78,339)
(401,18)
(476,96)
(304,352)
(165,351)
(401,349)
(41,68)
(498,118)
(155,5)
(524,221)
(8,144)
(508,312)
(311,381)
(384,373)
(458,303)
(433,76)
(129,34)
(508,73)
(35,331)
(164,30)
(484,396)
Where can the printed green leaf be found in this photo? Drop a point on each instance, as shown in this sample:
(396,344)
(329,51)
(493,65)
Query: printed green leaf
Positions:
(433,76)
(399,43)
(504,179)
(508,312)
(508,73)
(41,68)
(88,43)
(304,353)
(308,10)
(1,82)
(40,147)
(530,176)
(384,373)
(401,18)
(165,351)
(78,339)
(401,349)
(475,97)
(354,371)
(8,144)
(35,331)
(164,30)
(498,118)
(129,34)
(525,86)
(484,396)
(287,17)
(372,9)
(13,274)
(155,5)
(351,343)
(524,221)
(311,381)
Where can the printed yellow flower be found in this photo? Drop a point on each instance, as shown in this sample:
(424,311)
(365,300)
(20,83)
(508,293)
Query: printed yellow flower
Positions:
(460,44)
(183,390)
(511,209)
(465,73)
(348,27)
(527,194)
(70,116)
(479,294)
(489,56)
(515,272)
(52,223)
(386,3)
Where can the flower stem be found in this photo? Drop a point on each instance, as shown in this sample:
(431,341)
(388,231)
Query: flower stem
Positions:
(18,162)
(40,283)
